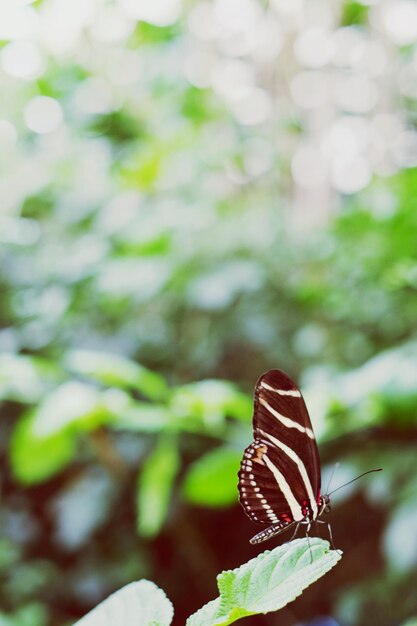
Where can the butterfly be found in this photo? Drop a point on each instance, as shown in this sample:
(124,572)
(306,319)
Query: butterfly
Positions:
(280,476)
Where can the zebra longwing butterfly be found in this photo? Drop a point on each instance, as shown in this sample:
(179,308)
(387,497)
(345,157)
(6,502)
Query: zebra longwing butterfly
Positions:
(279,476)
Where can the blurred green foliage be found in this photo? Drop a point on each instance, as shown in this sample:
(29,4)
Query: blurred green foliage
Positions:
(155,486)
(159,250)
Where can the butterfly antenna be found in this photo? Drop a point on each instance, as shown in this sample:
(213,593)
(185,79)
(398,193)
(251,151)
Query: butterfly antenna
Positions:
(332,473)
(353,479)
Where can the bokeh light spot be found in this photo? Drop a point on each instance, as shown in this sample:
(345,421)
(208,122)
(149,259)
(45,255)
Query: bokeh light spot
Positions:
(350,175)
(255,108)
(23,59)
(309,89)
(312,48)
(43,114)
(309,167)
(8,135)
(400,21)
(356,94)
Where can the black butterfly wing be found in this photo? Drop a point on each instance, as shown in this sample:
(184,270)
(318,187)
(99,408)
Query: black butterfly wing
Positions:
(279,477)
(280,411)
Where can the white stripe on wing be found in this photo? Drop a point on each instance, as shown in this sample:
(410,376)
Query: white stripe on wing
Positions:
(286,490)
(282,392)
(286,421)
(289,452)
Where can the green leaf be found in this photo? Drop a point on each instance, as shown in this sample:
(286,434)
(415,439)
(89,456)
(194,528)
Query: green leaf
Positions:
(71,405)
(268,582)
(209,402)
(118,371)
(354,13)
(35,458)
(145,168)
(144,418)
(147,33)
(205,616)
(196,104)
(212,479)
(154,486)
(140,603)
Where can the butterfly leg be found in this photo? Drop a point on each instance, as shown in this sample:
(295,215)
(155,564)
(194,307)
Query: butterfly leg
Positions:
(297,526)
(308,539)
(329,528)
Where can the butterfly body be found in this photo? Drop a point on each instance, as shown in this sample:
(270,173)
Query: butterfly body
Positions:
(279,478)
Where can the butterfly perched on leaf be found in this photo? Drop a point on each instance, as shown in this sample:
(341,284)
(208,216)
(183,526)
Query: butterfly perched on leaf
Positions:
(280,475)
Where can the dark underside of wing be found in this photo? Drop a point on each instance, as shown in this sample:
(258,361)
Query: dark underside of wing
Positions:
(279,478)
(260,495)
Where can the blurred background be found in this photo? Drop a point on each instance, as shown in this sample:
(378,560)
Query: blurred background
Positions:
(194,192)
